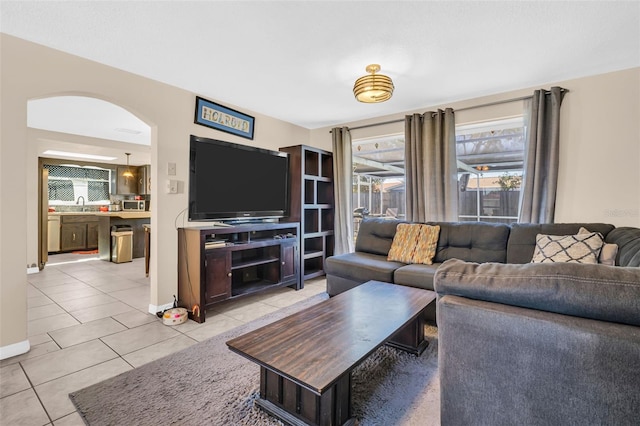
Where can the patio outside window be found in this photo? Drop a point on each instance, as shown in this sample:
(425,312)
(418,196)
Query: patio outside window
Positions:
(490,162)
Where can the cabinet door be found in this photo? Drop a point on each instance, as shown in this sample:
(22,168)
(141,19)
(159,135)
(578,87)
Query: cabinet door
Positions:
(288,259)
(144,179)
(73,237)
(126,186)
(217,275)
(92,235)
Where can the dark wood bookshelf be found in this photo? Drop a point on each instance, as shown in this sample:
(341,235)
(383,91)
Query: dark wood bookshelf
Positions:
(312,204)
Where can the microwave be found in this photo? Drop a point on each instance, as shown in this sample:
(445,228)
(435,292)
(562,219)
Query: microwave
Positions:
(137,205)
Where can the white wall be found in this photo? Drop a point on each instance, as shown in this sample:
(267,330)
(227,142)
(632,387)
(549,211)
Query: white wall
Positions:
(30,71)
(599,173)
(599,176)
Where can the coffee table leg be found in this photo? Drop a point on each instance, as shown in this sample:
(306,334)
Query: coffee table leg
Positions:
(411,337)
(298,406)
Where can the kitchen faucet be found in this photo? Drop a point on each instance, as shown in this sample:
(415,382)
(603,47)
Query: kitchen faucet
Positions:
(78,202)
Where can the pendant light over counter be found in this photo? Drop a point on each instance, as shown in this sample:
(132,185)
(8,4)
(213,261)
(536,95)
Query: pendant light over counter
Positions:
(127,173)
(374,87)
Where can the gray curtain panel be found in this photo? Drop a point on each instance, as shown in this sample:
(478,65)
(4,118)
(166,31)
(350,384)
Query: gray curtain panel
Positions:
(540,178)
(431,171)
(343,190)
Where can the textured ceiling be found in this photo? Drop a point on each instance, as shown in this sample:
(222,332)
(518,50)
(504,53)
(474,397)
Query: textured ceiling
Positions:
(297,60)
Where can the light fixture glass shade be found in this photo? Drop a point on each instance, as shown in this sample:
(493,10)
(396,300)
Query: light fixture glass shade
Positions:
(127,173)
(374,87)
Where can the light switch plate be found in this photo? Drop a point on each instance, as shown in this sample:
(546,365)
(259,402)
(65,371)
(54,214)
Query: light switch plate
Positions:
(172,186)
(171,169)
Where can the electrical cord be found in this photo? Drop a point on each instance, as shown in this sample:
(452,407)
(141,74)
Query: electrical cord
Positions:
(182,212)
(195,307)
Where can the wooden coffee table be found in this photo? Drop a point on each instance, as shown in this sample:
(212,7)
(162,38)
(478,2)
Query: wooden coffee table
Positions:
(306,359)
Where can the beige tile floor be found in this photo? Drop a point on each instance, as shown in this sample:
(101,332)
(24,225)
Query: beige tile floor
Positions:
(88,321)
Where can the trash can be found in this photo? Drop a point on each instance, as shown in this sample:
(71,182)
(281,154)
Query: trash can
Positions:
(121,243)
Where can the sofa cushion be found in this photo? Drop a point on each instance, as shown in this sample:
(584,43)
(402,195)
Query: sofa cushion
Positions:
(472,241)
(404,242)
(416,275)
(522,239)
(580,248)
(628,241)
(376,235)
(362,267)
(598,292)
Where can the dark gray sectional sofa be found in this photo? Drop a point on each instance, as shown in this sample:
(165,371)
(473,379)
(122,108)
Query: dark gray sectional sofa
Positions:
(520,343)
(469,241)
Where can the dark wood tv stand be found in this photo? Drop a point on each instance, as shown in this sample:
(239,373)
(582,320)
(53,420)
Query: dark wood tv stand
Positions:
(243,259)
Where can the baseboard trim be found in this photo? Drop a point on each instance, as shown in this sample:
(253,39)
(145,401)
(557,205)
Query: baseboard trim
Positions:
(14,349)
(33,270)
(154,309)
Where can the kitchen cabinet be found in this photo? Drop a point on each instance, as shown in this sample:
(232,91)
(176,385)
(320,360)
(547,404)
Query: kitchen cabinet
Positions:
(78,232)
(73,236)
(92,235)
(144,180)
(124,185)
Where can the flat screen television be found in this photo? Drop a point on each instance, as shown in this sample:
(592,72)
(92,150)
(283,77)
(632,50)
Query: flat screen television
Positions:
(232,182)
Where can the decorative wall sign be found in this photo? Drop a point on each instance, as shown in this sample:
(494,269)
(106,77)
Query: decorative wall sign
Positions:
(219,117)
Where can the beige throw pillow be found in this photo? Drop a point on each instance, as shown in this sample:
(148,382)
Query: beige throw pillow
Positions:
(581,248)
(607,254)
(427,243)
(414,243)
(404,243)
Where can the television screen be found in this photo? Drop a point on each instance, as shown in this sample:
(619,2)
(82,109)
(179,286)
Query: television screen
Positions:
(229,181)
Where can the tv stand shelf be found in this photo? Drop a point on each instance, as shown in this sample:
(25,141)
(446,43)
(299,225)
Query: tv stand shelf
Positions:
(246,259)
(255,262)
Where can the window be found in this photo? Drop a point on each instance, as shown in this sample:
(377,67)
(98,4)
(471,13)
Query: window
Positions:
(490,158)
(67,183)
(490,164)
(378,178)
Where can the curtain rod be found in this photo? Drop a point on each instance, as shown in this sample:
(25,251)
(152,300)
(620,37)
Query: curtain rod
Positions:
(506,101)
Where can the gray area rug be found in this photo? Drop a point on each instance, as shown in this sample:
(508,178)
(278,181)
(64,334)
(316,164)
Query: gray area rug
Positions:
(208,384)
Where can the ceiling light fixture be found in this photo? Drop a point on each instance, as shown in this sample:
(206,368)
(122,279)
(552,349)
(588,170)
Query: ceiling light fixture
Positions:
(374,87)
(127,173)
(78,155)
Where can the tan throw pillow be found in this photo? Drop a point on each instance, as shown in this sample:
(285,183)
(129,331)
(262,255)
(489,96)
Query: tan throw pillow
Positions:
(427,243)
(607,254)
(581,248)
(404,242)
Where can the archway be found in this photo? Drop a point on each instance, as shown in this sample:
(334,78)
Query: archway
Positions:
(77,127)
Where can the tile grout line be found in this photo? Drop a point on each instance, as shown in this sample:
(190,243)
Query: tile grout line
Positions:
(181,333)
(33,388)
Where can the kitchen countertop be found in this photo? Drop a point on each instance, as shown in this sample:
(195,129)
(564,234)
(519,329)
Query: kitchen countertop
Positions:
(124,214)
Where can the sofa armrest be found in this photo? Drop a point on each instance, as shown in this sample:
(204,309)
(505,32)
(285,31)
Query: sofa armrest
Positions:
(599,292)
(507,365)
(628,241)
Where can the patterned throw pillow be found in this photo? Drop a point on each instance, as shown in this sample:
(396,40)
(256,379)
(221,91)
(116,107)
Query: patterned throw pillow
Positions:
(581,248)
(427,243)
(404,242)
(608,252)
